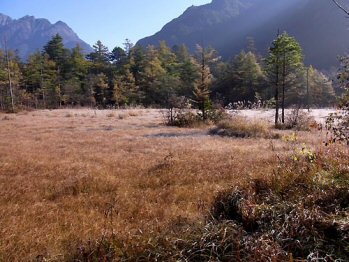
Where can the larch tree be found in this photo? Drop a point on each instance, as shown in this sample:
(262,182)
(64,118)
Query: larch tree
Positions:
(125,89)
(202,89)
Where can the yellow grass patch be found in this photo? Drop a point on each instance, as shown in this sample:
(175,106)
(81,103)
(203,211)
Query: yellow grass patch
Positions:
(62,171)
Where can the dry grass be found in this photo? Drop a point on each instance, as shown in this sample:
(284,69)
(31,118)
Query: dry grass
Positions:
(66,180)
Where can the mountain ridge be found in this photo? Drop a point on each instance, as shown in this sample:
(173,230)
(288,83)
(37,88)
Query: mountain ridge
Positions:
(29,34)
(318,25)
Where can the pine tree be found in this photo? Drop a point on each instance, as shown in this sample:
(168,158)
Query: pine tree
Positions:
(73,89)
(285,57)
(100,55)
(187,70)
(58,53)
(247,77)
(99,86)
(41,79)
(118,56)
(321,92)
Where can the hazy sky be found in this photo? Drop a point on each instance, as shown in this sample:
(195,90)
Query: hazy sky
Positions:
(110,21)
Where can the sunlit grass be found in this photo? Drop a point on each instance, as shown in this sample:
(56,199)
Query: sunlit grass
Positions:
(65,180)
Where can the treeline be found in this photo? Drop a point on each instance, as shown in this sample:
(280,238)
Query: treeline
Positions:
(152,76)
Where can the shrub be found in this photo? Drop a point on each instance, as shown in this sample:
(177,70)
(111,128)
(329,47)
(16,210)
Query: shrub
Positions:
(218,114)
(241,127)
(337,125)
(6,118)
(185,119)
(122,116)
(111,114)
(179,113)
(134,113)
(298,120)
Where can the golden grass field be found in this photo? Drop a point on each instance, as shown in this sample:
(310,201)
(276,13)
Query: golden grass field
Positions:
(69,176)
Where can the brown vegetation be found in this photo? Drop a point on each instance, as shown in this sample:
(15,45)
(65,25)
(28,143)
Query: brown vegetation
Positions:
(93,185)
(238,126)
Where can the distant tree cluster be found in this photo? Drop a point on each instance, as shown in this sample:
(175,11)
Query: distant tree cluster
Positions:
(153,76)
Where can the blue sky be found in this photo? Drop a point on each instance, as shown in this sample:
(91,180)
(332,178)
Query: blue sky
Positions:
(111,21)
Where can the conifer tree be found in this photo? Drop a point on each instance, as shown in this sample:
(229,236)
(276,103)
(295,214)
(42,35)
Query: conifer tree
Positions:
(247,76)
(10,80)
(202,88)
(41,79)
(285,57)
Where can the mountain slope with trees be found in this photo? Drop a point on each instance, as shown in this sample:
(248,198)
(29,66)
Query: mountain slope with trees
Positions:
(225,25)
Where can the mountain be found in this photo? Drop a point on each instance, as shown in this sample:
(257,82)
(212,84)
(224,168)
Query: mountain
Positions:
(28,34)
(319,26)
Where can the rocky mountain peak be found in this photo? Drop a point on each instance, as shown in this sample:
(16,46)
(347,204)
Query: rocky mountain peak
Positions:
(29,34)
(4,19)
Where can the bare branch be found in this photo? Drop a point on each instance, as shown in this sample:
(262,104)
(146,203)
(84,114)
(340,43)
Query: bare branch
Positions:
(341,7)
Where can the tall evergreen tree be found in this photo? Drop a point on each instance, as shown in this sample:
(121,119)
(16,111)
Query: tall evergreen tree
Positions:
(137,61)
(41,79)
(128,46)
(187,70)
(100,55)
(321,91)
(57,52)
(98,86)
(73,88)
(118,56)
(247,76)
(285,57)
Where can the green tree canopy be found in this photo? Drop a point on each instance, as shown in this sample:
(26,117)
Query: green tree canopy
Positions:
(285,57)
